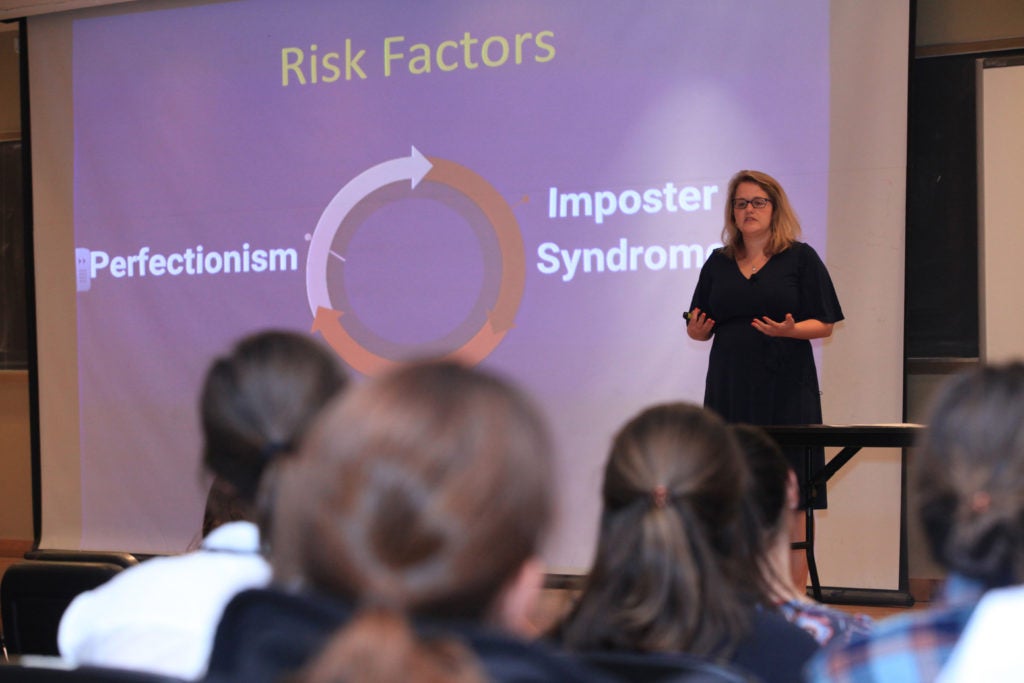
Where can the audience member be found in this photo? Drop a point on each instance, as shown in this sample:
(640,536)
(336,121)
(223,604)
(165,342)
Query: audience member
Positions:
(676,562)
(775,495)
(223,506)
(408,528)
(160,616)
(989,648)
(968,474)
(356,655)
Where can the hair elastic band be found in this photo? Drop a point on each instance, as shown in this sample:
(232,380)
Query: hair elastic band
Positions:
(273,448)
(980,502)
(660,496)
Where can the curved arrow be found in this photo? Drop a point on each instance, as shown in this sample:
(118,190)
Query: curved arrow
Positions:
(506,228)
(413,168)
(479,347)
(328,323)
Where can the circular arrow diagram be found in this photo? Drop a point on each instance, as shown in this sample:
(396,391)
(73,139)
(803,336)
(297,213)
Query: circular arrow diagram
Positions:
(416,168)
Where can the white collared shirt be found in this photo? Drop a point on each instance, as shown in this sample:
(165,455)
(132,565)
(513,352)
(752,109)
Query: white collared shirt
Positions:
(161,616)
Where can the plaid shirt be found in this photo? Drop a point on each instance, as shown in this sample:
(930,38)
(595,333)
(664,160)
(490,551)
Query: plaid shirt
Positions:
(825,624)
(908,648)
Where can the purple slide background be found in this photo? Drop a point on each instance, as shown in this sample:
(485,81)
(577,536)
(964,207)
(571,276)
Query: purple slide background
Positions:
(185,136)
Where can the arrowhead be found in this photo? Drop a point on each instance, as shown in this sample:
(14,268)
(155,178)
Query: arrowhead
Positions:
(499,322)
(419,166)
(325,317)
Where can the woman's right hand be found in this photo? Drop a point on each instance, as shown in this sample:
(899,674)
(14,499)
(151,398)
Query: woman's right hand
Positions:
(699,325)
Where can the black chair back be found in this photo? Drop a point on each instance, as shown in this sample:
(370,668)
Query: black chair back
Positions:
(34,595)
(18,673)
(643,667)
(109,556)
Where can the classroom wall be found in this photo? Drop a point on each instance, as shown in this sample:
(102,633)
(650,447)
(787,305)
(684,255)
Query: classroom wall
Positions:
(15,446)
(15,467)
(10,93)
(965,22)
(942,207)
(944,23)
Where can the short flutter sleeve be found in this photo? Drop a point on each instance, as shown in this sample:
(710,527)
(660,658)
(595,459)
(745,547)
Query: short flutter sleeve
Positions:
(818,297)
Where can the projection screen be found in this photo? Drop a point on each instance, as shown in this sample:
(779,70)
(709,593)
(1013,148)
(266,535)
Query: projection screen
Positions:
(529,185)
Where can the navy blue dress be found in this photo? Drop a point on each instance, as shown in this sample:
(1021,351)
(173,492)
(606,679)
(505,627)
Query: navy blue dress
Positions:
(754,378)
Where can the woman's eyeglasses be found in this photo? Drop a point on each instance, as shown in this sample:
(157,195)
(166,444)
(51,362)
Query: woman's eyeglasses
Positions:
(756,202)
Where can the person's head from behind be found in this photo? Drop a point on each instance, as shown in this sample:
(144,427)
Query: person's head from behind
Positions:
(380,648)
(257,402)
(672,553)
(969,475)
(773,486)
(772,498)
(427,491)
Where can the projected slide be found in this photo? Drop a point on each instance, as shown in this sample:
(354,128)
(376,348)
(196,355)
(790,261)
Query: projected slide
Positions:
(532,186)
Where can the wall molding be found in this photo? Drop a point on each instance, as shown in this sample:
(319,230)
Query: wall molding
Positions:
(969,48)
(16,9)
(14,548)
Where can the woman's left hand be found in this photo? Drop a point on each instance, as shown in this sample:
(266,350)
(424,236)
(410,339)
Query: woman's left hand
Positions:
(771,328)
(805,329)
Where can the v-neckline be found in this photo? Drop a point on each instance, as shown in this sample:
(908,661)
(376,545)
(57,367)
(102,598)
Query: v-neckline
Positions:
(760,269)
